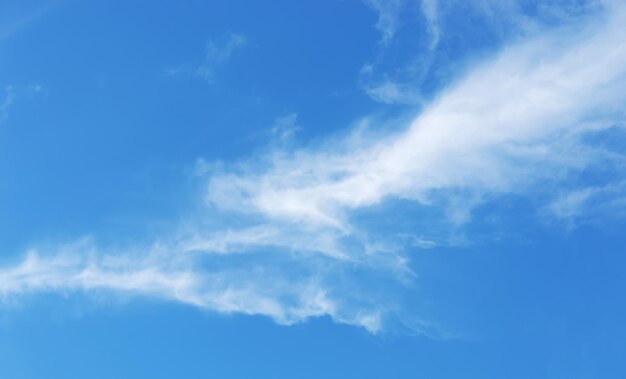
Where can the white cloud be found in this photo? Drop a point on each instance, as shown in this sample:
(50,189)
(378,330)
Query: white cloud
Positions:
(511,122)
(284,240)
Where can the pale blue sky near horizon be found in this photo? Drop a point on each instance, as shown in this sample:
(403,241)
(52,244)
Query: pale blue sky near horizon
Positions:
(336,188)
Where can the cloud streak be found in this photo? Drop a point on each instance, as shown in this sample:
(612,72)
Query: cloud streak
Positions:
(286,238)
(288,292)
(7,102)
(13,22)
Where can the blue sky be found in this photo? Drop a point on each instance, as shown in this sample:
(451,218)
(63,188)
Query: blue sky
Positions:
(356,188)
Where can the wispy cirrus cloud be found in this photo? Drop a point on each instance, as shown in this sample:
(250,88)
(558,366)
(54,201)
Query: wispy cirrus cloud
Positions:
(589,204)
(388,14)
(524,112)
(285,127)
(284,234)
(218,276)
(443,41)
(217,52)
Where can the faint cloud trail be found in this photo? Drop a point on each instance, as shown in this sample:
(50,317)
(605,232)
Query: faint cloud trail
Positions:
(12,93)
(217,53)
